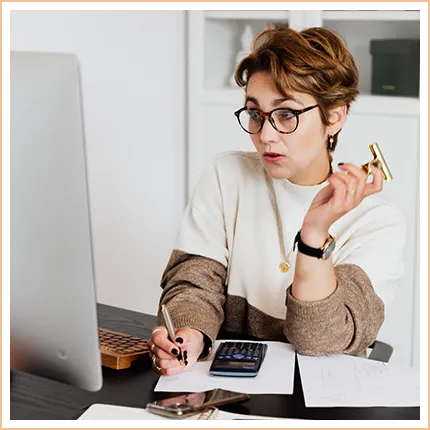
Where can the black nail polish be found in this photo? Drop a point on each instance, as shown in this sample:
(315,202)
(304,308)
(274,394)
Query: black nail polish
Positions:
(174,351)
(340,164)
(179,356)
(186,362)
(179,340)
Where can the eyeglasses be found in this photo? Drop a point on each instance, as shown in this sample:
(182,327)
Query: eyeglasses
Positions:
(283,120)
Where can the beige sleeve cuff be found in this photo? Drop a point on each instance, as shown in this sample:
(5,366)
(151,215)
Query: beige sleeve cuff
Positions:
(346,322)
(193,319)
(193,290)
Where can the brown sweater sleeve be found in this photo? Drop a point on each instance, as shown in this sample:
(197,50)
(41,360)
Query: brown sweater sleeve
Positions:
(346,322)
(194,292)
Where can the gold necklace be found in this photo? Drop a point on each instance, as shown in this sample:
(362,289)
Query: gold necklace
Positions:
(284,266)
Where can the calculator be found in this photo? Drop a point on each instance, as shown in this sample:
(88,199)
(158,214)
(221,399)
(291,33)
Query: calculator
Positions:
(238,359)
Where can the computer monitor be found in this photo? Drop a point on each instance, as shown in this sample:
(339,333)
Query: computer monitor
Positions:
(53,303)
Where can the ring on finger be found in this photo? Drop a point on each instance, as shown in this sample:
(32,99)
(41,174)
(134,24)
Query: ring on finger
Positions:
(152,347)
(154,363)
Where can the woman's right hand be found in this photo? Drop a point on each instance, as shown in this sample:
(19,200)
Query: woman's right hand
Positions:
(164,353)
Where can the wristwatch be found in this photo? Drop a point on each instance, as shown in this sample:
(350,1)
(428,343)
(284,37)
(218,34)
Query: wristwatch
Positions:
(321,253)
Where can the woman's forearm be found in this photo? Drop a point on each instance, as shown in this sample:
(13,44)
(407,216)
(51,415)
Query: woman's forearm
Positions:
(314,278)
(346,322)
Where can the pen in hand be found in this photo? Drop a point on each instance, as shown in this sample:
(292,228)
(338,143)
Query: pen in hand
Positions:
(171,331)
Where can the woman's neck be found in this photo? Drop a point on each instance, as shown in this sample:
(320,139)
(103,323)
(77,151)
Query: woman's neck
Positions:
(316,173)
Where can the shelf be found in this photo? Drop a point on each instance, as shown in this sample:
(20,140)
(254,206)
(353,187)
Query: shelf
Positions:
(366,103)
(386,105)
(272,15)
(330,15)
(375,15)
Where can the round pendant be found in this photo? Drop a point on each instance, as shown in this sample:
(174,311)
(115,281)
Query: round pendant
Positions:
(284,267)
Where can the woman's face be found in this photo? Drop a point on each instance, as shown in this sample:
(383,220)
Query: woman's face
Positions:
(302,155)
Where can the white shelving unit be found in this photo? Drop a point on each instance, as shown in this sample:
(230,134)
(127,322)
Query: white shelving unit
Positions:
(375,104)
(247,14)
(393,122)
(371,15)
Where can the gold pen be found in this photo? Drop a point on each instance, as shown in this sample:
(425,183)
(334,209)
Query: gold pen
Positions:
(171,330)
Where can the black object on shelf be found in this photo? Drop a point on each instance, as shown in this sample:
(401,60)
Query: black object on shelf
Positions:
(395,67)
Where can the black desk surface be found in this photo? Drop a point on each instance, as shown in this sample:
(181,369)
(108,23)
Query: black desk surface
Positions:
(38,398)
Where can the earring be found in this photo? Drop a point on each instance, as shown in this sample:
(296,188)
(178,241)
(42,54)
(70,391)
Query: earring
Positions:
(330,143)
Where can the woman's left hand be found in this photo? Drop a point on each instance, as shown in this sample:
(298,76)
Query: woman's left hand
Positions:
(345,191)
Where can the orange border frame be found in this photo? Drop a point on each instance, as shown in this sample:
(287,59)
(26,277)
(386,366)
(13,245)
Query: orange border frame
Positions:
(220,4)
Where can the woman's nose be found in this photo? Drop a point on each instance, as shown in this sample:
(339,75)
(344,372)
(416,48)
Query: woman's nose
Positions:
(268,134)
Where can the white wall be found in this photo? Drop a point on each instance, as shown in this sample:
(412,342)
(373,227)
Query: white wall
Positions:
(133,70)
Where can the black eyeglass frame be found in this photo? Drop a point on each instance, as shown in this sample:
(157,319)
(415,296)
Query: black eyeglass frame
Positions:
(295,112)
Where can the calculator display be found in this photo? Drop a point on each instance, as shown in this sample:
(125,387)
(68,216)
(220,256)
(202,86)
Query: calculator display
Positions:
(238,359)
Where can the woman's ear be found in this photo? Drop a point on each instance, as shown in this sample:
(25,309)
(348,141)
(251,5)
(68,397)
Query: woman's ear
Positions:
(337,119)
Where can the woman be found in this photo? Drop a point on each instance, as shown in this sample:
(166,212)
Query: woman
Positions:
(280,244)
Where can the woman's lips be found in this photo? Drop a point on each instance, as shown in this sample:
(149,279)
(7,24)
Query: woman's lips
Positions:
(272,157)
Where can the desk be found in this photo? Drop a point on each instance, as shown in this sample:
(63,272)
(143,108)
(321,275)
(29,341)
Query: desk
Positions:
(37,398)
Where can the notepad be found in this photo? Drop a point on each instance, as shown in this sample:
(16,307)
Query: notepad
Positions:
(100,411)
(344,380)
(276,375)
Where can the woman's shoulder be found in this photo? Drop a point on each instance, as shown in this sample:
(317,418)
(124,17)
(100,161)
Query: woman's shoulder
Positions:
(228,171)
(240,159)
(379,211)
(233,165)
(381,204)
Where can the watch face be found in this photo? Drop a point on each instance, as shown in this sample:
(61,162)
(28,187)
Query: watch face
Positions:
(329,250)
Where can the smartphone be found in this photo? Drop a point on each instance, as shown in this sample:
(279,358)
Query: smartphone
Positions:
(238,359)
(189,404)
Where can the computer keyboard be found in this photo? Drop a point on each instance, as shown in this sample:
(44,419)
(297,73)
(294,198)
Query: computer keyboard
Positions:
(119,350)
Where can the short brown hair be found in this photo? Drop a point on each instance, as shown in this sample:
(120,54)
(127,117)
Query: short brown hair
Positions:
(313,61)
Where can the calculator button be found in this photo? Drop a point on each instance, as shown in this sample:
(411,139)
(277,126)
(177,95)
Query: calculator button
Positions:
(238,356)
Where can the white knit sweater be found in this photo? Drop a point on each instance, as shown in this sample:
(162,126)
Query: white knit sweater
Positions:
(230,218)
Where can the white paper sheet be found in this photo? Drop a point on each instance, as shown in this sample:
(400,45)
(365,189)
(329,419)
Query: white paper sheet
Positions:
(341,380)
(276,375)
(100,411)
